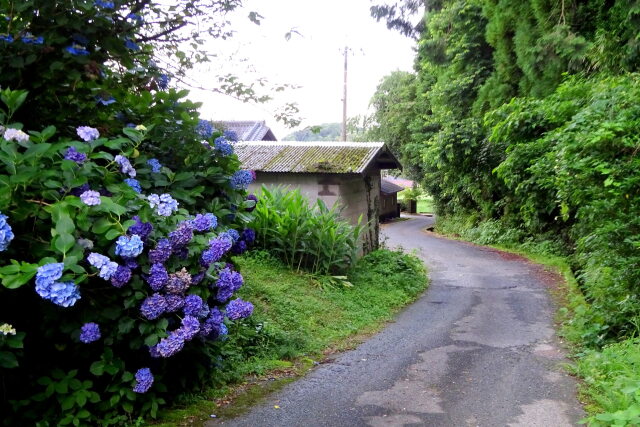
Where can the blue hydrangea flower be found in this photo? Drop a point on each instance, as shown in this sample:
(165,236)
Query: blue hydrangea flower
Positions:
(238,309)
(153,307)
(6,233)
(75,156)
(134,17)
(144,380)
(197,278)
(192,305)
(29,38)
(231,234)
(189,328)
(107,267)
(158,277)
(131,45)
(6,38)
(104,4)
(46,275)
(222,146)
(142,229)
(105,99)
(121,277)
(241,179)
(174,302)
(125,166)
(133,183)
(77,50)
(87,133)
(181,236)
(129,246)
(170,345)
(205,129)
(217,248)
(239,247)
(228,282)
(231,135)
(205,222)
(165,204)
(64,294)
(162,252)
(155,165)
(210,328)
(90,332)
(90,198)
(163,81)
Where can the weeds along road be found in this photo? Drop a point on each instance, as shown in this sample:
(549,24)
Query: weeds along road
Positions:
(477,349)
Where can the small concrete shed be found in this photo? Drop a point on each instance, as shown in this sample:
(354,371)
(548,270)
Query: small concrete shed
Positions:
(389,207)
(347,173)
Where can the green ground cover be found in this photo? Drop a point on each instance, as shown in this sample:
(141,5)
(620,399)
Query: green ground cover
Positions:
(425,204)
(297,321)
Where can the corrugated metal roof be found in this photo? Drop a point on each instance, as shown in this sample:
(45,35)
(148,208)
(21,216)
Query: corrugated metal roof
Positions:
(388,187)
(249,130)
(301,157)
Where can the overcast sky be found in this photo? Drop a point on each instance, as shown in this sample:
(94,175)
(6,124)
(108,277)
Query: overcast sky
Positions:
(312,59)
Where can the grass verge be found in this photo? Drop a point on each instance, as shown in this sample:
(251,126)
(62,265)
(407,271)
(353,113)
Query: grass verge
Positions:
(297,323)
(610,375)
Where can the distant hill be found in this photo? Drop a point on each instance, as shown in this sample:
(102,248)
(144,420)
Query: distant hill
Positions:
(323,132)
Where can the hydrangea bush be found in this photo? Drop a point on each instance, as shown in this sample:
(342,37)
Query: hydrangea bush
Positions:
(122,294)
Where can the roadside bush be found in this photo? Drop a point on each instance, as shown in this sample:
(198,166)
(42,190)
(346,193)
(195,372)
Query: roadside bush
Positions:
(313,238)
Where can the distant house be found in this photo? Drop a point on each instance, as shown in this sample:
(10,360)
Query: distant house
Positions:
(248,130)
(402,182)
(347,173)
(389,199)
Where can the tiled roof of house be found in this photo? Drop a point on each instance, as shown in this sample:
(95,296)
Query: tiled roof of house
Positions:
(388,187)
(314,157)
(249,130)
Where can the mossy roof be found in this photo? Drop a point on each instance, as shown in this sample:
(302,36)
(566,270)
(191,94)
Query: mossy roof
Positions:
(314,157)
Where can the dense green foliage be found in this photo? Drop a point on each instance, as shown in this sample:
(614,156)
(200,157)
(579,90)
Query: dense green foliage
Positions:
(521,120)
(296,319)
(313,238)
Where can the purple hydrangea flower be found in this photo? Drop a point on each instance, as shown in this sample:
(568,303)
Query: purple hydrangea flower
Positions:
(162,252)
(158,277)
(142,229)
(87,133)
(241,179)
(153,351)
(205,129)
(129,246)
(89,332)
(170,345)
(121,277)
(205,222)
(217,248)
(228,282)
(174,303)
(190,327)
(230,234)
(181,236)
(90,198)
(153,307)
(6,233)
(125,166)
(222,146)
(155,165)
(197,278)
(133,183)
(192,305)
(165,204)
(239,247)
(75,156)
(238,309)
(255,199)
(77,191)
(248,235)
(211,326)
(131,263)
(144,380)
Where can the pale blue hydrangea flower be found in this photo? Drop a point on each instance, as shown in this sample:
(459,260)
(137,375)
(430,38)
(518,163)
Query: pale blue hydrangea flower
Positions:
(90,198)
(6,233)
(129,246)
(87,133)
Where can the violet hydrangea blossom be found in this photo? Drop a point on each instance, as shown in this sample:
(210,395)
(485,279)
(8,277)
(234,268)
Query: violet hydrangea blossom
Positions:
(144,380)
(87,133)
(157,277)
(90,332)
(238,309)
(125,166)
(155,165)
(90,198)
(162,251)
(153,307)
(107,267)
(6,233)
(164,204)
(75,156)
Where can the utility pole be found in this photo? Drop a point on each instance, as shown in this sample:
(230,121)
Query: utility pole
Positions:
(344,98)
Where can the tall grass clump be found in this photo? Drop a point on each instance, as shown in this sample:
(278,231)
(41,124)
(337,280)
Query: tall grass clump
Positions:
(306,237)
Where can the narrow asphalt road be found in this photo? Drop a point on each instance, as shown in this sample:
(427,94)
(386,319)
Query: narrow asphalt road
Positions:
(477,349)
